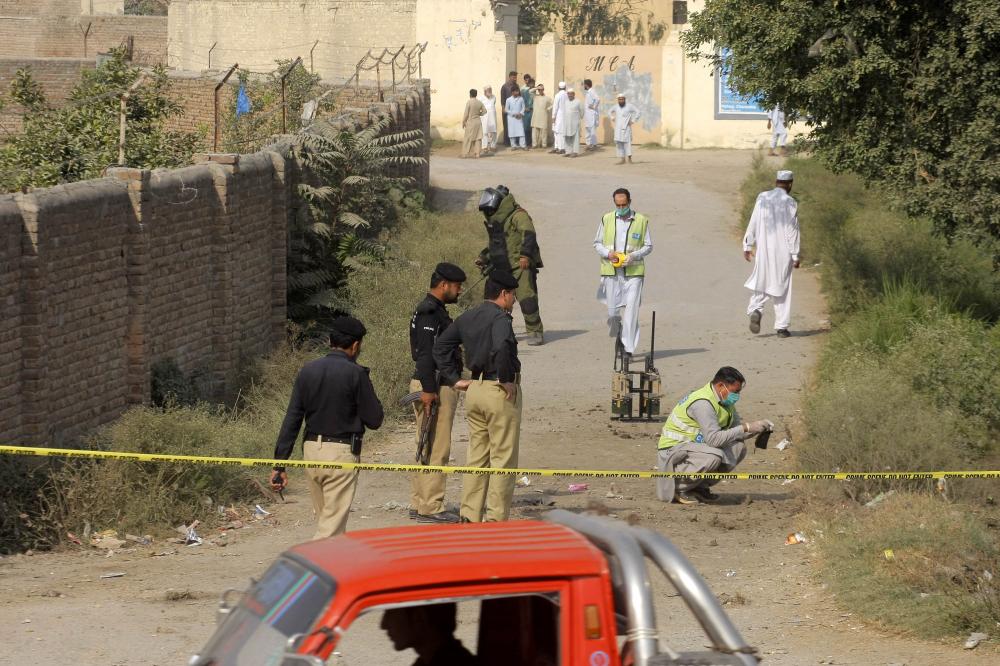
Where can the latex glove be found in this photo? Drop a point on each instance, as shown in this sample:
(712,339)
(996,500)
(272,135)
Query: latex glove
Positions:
(757,427)
(627,261)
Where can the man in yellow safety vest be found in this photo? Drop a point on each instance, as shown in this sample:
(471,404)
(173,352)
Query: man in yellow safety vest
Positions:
(704,433)
(622,242)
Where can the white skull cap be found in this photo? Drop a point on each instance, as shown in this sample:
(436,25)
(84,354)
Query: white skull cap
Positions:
(785,175)
(562,84)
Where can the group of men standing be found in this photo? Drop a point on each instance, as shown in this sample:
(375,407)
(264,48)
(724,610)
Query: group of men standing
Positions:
(529,116)
(335,398)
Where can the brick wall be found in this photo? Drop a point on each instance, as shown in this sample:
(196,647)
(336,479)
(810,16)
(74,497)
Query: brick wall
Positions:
(47,35)
(101,279)
(57,76)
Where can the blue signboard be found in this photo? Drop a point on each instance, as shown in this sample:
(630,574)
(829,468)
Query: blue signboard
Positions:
(730,105)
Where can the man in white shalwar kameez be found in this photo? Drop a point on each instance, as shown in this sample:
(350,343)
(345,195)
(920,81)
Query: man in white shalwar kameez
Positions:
(558,120)
(592,113)
(623,115)
(774,230)
(622,243)
(573,115)
(489,120)
(779,133)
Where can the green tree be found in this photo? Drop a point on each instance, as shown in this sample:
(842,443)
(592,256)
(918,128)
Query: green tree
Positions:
(80,139)
(905,94)
(590,21)
(350,193)
(248,132)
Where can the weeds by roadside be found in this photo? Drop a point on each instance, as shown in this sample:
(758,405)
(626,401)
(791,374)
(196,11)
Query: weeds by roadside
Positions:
(907,382)
(48,498)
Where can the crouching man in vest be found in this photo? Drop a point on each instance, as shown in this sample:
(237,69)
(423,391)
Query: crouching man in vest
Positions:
(704,434)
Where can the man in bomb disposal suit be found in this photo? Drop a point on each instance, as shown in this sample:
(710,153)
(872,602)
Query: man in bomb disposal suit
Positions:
(513,247)
(336,399)
(493,401)
(428,322)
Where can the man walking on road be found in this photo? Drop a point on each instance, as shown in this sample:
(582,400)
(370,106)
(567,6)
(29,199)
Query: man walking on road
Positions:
(623,115)
(337,401)
(429,321)
(493,398)
(622,243)
(774,230)
(779,134)
(473,126)
(704,434)
(513,247)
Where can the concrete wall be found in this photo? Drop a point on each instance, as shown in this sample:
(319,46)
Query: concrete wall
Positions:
(254,33)
(465,49)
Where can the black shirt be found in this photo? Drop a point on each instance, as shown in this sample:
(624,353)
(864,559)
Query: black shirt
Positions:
(335,397)
(428,322)
(487,335)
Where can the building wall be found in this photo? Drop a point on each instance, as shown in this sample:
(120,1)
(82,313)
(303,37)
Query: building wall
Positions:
(58,28)
(57,76)
(101,279)
(254,33)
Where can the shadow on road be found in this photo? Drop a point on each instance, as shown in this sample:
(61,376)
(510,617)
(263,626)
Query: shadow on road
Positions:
(667,353)
(552,336)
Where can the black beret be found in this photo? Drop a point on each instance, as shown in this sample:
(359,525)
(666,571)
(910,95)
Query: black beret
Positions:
(348,326)
(450,272)
(504,279)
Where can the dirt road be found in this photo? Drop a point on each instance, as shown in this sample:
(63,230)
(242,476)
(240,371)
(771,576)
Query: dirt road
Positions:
(55,608)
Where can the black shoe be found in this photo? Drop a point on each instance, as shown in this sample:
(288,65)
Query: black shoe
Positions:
(685,497)
(704,493)
(755,322)
(439,518)
(413,514)
(783,333)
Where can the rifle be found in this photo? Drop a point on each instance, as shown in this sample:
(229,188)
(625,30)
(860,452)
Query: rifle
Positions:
(425,442)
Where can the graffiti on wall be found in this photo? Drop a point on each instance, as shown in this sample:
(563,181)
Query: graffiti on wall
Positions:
(460,34)
(638,90)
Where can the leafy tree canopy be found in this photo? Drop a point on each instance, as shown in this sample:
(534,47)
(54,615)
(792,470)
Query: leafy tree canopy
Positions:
(590,21)
(904,93)
(80,139)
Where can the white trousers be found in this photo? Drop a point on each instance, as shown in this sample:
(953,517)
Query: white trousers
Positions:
(591,135)
(517,141)
(623,295)
(559,141)
(489,140)
(778,139)
(571,143)
(623,148)
(782,306)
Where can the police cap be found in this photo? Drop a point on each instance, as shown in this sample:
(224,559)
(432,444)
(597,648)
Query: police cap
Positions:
(504,279)
(450,272)
(348,327)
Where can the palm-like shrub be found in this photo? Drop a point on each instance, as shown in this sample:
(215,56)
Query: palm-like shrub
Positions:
(351,190)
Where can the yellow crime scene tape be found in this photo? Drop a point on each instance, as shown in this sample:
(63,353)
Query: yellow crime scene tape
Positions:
(450,469)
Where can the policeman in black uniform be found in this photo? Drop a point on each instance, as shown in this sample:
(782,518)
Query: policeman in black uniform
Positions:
(493,398)
(430,320)
(335,397)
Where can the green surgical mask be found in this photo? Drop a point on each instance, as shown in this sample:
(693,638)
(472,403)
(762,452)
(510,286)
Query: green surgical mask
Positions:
(623,212)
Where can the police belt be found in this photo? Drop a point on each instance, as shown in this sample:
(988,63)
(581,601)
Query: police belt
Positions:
(335,439)
(492,377)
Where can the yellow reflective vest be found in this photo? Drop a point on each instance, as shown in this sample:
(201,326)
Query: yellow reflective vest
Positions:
(634,240)
(681,428)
